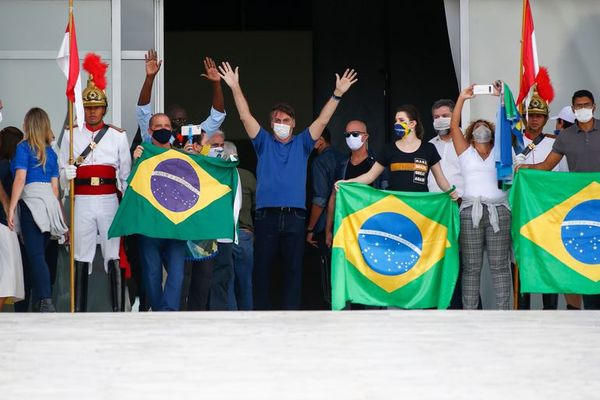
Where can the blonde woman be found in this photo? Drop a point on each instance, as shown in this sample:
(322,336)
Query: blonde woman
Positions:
(35,191)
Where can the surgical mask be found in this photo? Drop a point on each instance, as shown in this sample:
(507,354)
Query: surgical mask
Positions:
(282,130)
(584,114)
(482,134)
(162,136)
(401,130)
(216,152)
(354,143)
(442,125)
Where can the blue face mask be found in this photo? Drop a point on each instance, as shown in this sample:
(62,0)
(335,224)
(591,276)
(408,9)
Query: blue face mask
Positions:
(401,130)
(556,132)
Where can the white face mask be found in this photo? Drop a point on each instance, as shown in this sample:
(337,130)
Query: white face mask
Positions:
(442,125)
(482,134)
(584,114)
(216,152)
(354,143)
(282,130)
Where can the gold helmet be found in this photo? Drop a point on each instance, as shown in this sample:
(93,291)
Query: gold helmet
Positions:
(537,105)
(94,95)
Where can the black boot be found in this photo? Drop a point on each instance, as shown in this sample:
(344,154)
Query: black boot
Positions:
(81,286)
(117,286)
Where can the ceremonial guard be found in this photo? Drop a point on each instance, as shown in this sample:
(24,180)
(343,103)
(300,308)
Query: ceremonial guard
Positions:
(538,144)
(102,166)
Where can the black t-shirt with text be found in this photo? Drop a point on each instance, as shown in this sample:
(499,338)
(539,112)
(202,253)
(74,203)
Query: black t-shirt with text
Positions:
(409,171)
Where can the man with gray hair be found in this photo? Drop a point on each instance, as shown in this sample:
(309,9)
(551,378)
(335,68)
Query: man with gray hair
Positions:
(240,286)
(223,266)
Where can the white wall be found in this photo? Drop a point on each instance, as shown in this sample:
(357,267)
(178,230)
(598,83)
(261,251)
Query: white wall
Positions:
(567,33)
(32,31)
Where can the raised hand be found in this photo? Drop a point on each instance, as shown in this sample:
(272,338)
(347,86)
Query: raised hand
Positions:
(152,63)
(212,74)
(497,87)
(343,84)
(467,93)
(230,76)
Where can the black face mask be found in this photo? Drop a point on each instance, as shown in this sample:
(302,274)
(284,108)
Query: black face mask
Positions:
(162,136)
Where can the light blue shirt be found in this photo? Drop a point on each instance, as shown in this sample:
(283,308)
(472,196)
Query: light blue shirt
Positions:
(210,125)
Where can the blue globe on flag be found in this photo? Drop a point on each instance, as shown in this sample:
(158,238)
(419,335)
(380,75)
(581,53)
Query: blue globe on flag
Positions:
(175,185)
(390,243)
(580,232)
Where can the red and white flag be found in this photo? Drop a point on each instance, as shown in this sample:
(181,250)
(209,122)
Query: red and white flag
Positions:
(530,72)
(68,61)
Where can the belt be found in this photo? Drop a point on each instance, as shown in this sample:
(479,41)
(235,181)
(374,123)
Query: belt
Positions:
(283,209)
(95,181)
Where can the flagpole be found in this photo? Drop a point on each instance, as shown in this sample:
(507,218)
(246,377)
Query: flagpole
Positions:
(522,44)
(71,184)
(521,110)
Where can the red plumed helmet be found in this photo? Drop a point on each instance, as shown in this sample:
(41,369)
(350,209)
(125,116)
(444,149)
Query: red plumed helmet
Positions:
(93,94)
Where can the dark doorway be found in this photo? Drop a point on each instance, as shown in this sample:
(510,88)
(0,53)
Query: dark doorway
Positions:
(290,50)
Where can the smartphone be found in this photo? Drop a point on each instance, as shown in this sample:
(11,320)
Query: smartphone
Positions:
(483,89)
(189,131)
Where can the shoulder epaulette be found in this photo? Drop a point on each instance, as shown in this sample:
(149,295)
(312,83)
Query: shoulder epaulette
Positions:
(116,128)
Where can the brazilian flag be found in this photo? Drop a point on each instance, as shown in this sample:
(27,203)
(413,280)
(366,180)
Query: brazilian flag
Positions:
(394,248)
(175,195)
(556,231)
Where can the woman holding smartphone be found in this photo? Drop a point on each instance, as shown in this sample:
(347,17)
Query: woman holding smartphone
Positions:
(35,191)
(409,158)
(484,211)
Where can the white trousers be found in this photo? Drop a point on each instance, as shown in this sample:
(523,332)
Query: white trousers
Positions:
(93,216)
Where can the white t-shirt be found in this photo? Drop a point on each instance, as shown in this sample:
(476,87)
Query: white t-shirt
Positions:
(450,166)
(541,151)
(479,175)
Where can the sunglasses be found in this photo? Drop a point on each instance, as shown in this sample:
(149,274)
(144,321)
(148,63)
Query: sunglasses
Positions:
(353,133)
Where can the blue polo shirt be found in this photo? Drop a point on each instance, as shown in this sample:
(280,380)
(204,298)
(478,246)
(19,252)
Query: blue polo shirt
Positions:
(281,169)
(25,158)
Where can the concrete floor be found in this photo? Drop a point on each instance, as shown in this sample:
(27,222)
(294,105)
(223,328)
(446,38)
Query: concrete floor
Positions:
(301,355)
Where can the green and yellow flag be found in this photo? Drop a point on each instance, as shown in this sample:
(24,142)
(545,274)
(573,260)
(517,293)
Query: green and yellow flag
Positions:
(394,248)
(175,195)
(556,231)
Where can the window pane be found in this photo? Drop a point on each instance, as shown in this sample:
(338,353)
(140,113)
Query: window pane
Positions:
(40,25)
(137,24)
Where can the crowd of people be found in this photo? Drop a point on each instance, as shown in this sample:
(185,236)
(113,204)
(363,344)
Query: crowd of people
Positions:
(274,223)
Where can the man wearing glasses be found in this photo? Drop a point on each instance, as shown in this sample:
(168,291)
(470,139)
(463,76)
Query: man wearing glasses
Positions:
(359,162)
(580,143)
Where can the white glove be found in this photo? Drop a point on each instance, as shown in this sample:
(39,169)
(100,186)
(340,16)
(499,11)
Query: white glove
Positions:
(520,159)
(70,172)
